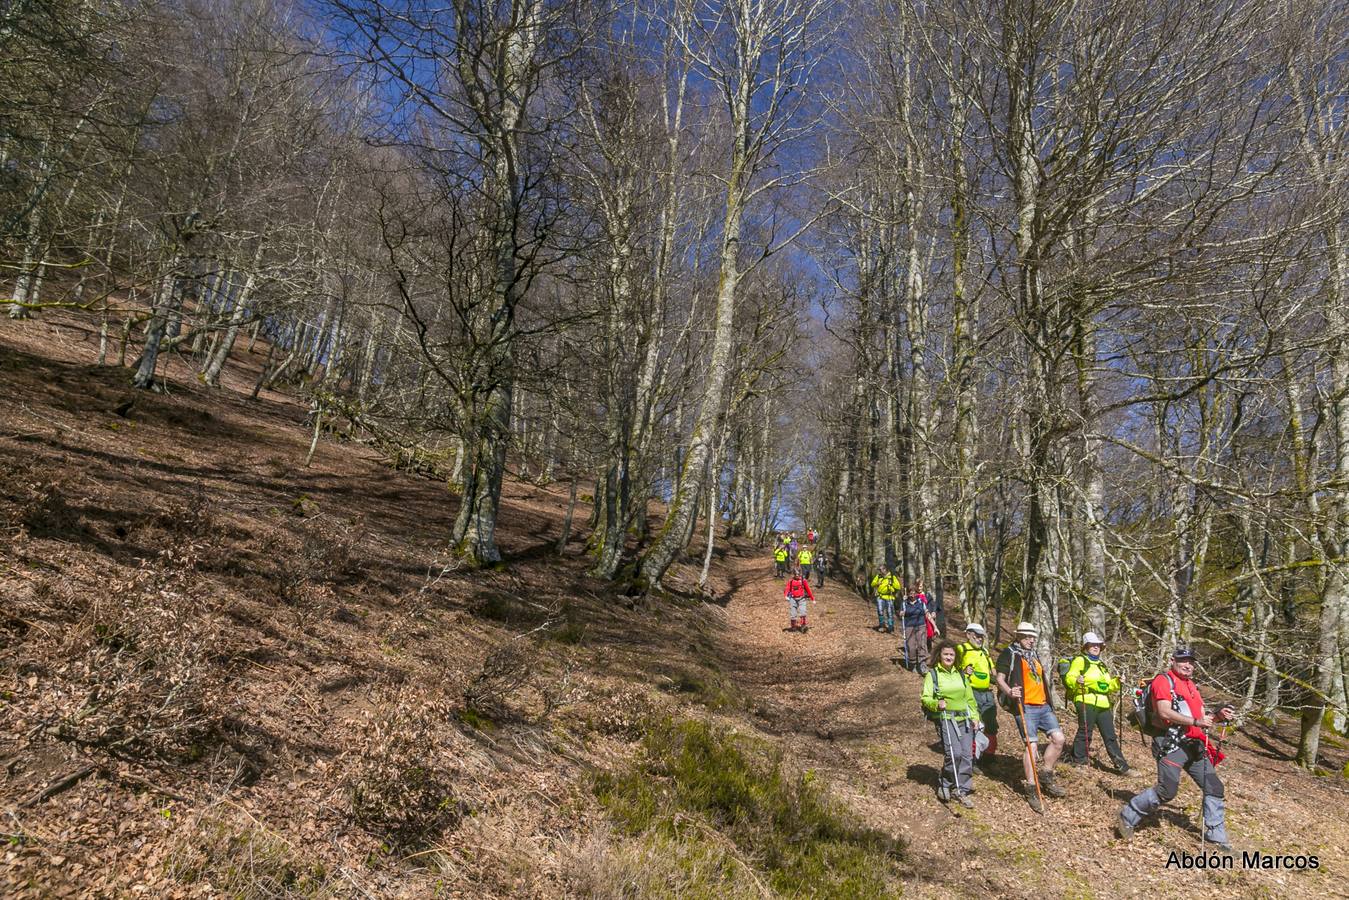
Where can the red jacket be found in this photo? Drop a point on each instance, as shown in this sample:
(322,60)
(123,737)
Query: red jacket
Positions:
(1187,692)
(794,589)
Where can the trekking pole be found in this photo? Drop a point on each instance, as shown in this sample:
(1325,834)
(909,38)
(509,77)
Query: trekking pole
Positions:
(1087,723)
(951,748)
(1030,752)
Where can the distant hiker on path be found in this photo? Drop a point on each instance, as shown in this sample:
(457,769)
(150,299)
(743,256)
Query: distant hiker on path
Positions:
(805,559)
(972,658)
(948,701)
(780,561)
(797,594)
(917,622)
(1180,742)
(885,587)
(821,563)
(1021,681)
(1092,691)
(931,607)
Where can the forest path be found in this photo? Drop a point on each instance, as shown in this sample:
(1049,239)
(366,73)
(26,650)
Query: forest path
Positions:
(839,700)
(841,704)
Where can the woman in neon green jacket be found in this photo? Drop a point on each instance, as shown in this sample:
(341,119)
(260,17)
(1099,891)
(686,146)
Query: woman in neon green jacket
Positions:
(948,700)
(1092,690)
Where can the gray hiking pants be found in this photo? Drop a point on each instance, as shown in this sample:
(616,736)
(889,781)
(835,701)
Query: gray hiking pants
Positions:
(957,759)
(1098,718)
(915,647)
(797,606)
(1192,759)
(988,711)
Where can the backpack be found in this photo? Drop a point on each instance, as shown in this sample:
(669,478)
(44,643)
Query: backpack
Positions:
(935,715)
(1144,711)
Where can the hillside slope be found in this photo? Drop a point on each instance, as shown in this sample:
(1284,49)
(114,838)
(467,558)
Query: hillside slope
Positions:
(226,674)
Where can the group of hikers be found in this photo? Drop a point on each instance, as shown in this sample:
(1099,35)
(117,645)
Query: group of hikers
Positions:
(796,561)
(963,688)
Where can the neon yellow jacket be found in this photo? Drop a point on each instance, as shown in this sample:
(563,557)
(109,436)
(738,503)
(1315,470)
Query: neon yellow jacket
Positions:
(952,687)
(1098,684)
(981,665)
(805,557)
(780,554)
(886,588)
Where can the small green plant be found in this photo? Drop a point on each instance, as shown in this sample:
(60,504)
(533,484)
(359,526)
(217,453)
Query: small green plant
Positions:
(700,783)
(475,719)
(235,856)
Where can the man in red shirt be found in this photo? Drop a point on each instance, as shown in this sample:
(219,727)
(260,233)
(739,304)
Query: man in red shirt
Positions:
(797,594)
(1183,746)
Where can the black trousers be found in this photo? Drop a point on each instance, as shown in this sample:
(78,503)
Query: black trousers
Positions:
(1101,719)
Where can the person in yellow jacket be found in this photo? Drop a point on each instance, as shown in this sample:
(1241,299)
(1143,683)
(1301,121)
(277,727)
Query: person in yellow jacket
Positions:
(972,658)
(805,558)
(948,701)
(885,587)
(1092,690)
(780,561)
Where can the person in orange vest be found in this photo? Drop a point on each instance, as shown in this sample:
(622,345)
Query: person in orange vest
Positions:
(1025,694)
(797,594)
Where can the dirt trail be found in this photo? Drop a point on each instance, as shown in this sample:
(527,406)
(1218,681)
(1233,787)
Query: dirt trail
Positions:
(842,705)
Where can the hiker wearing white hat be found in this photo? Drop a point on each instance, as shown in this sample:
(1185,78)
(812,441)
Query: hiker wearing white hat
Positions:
(1092,690)
(1021,682)
(974,661)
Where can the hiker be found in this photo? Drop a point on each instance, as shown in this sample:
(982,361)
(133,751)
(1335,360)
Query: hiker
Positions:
(885,586)
(932,610)
(780,561)
(948,701)
(805,559)
(821,563)
(1091,689)
(792,545)
(810,536)
(1180,742)
(917,625)
(1021,682)
(797,593)
(972,658)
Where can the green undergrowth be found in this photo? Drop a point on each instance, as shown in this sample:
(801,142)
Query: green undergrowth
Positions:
(722,812)
(235,856)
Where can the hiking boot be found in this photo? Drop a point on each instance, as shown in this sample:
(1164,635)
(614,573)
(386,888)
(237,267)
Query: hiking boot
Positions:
(1049,784)
(890,629)
(1122,768)
(804,628)
(1123,828)
(1032,797)
(1224,846)
(966,802)
(944,794)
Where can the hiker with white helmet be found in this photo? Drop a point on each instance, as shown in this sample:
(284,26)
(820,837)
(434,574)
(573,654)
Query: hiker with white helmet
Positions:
(974,661)
(1025,694)
(1091,690)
